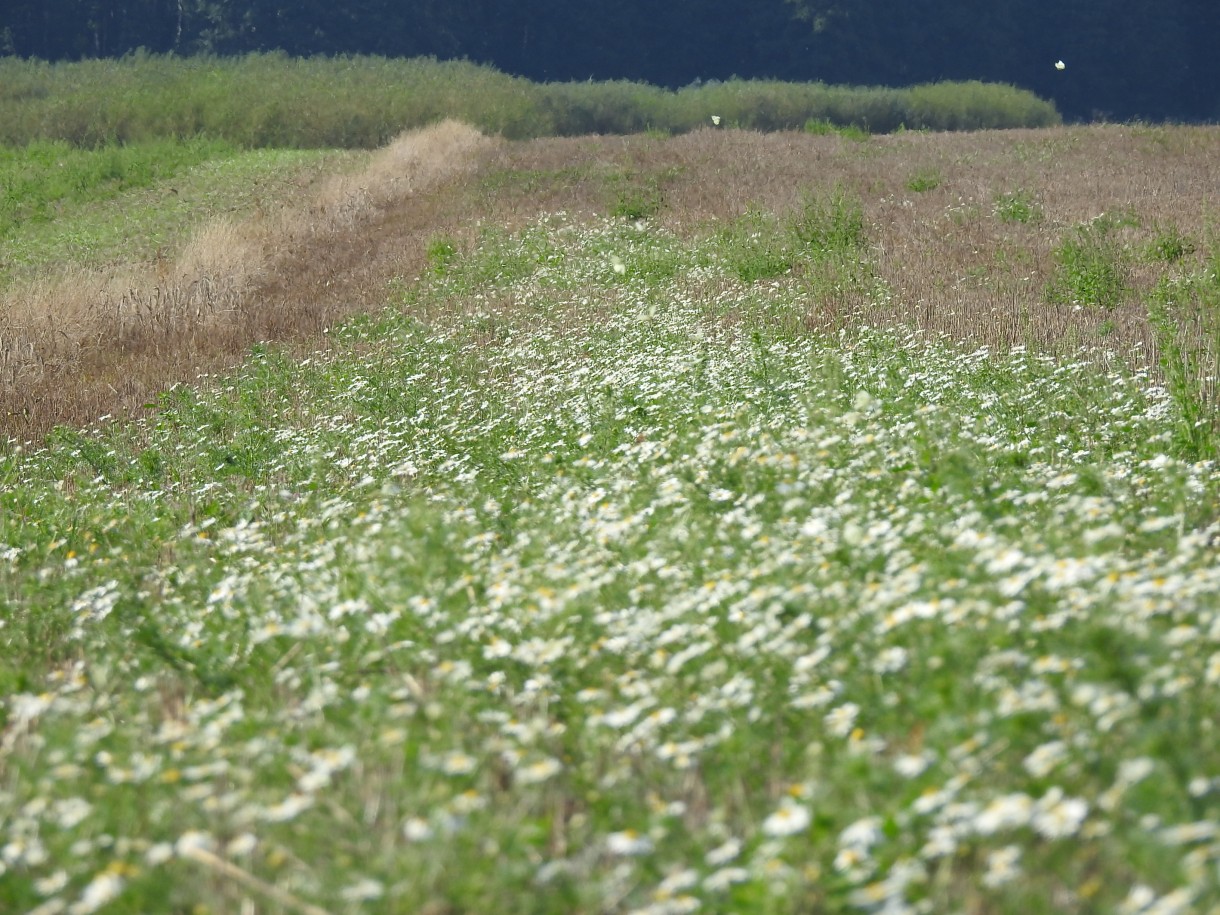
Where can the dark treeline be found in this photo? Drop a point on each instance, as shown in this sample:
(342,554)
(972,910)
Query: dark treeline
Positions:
(1124,58)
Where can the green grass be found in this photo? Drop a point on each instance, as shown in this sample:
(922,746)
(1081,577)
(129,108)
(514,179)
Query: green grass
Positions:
(131,203)
(637,197)
(45,176)
(1169,245)
(586,581)
(824,127)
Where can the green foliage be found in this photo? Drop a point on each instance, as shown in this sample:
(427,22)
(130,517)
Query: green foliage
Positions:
(756,248)
(615,107)
(262,100)
(1090,265)
(442,251)
(829,224)
(1017,206)
(1169,245)
(822,127)
(928,179)
(637,197)
(975,105)
(1185,315)
(827,228)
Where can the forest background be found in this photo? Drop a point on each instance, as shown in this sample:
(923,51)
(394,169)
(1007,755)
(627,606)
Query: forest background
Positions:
(1123,59)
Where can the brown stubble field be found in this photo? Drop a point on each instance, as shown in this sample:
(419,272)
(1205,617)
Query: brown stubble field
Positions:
(84,344)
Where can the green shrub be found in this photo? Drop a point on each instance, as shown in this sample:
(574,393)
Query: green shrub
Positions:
(618,107)
(637,201)
(823,127)
(638,196)
(362,102)
(820,127)
(976,105)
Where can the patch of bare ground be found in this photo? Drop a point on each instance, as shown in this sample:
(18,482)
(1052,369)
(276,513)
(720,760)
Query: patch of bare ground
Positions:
(943,253)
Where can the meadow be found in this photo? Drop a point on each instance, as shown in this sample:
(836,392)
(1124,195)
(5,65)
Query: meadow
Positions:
(739,522)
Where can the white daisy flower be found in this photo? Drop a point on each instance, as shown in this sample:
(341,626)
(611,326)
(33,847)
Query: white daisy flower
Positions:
(628,842)
(788,820)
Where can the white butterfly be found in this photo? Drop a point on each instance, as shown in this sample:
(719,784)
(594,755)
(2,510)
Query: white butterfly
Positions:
(1060,65)
(716,119)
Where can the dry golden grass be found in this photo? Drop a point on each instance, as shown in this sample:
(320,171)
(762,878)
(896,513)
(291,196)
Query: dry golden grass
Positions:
(78,346)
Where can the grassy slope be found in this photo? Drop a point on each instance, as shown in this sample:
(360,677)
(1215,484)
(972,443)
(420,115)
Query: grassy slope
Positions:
(133,204)
(589,559)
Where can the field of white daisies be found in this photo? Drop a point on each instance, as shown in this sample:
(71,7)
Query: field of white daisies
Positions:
(589,579)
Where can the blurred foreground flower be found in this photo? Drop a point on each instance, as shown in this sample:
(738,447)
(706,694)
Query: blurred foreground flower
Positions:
(628,842)
(788,820)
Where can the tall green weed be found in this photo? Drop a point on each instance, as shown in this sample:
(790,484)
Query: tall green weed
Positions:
(1185,315)
(1091,265)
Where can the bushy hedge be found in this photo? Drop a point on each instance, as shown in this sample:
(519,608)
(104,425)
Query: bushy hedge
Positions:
(274,100)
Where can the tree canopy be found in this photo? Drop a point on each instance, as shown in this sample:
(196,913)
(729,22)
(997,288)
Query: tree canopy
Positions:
(1123,58)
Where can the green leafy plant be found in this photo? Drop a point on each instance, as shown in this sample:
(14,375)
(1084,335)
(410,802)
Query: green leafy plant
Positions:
(756,247)
(1017,206)
(927,179)
(1185,316)
(829,224)
(442,252)
(824,127)
(1091,266)
(1169,245)
(637,198)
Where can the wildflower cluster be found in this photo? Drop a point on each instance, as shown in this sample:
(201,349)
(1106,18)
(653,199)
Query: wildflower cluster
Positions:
(576,594)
